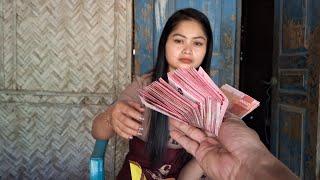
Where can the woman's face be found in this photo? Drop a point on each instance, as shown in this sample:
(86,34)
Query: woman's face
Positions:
(186,45)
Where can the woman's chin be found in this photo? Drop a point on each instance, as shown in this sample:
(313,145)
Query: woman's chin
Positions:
(185,66)
(182,66)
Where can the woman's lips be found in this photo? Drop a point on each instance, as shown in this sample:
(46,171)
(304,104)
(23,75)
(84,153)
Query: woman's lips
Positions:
(185,60)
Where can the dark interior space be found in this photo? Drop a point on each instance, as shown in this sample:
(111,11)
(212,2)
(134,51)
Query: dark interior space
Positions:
(256,62)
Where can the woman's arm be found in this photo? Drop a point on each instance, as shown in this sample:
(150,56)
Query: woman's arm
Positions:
(191,171)
(124,117)
(101,127)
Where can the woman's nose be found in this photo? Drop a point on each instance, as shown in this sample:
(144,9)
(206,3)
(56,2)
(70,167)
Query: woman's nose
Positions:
(187,49)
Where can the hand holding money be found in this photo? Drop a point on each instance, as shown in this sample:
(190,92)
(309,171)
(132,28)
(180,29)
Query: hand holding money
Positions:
(237,153)
(191,96)
(125,118)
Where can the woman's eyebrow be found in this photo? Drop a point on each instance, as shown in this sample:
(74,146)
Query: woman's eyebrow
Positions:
(177,34)
(198,37)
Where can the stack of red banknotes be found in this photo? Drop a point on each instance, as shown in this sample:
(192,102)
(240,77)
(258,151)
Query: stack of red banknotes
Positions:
(191,96)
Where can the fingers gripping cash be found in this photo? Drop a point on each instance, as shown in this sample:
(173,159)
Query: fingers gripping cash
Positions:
(191,96)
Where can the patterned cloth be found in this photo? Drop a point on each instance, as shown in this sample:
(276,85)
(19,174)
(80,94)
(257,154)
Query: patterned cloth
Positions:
(170,167)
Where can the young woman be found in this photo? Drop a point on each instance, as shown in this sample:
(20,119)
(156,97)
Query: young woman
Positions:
(186,41)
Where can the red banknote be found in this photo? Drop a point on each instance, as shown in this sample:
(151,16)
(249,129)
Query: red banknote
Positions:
(240,103)
(191,96)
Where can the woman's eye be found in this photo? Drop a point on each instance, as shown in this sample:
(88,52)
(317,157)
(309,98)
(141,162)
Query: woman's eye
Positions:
(178,41)
(198,43)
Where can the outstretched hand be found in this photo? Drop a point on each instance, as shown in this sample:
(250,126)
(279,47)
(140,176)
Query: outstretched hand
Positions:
(235,154)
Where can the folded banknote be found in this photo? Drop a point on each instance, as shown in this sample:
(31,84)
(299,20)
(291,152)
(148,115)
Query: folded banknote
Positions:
(191,96)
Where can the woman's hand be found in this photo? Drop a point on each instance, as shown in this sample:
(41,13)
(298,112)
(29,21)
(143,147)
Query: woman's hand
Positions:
(126,118)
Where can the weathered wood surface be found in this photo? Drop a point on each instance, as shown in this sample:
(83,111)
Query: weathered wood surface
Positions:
(61,62)
(295,118)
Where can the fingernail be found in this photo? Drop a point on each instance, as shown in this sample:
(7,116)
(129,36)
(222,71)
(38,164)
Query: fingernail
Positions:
(130,137)
(140,131)
(141,118)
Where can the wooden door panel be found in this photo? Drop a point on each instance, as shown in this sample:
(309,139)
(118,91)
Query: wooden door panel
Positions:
(293,81)
(291,134)
(295,98)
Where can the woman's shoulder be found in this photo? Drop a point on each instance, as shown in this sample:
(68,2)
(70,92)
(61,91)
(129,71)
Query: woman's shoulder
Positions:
(130,91)
(143,80)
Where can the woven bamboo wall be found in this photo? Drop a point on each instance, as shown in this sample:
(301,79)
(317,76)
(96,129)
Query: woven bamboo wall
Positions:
(61,62)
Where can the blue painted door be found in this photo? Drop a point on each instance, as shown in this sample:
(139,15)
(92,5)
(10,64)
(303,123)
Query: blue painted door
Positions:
(151,15)
(295,106)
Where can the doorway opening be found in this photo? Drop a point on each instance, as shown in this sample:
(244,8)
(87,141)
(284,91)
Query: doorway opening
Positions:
(256,62)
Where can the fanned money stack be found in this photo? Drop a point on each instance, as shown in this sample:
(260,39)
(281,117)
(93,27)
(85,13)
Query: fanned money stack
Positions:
(191,96)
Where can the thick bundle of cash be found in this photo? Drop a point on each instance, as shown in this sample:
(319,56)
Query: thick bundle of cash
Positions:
(191,96)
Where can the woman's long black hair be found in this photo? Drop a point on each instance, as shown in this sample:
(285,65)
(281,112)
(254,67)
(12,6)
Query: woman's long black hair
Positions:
(158,130)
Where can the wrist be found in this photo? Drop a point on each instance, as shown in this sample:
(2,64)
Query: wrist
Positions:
(107,117)
(253,164)
(265,166)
